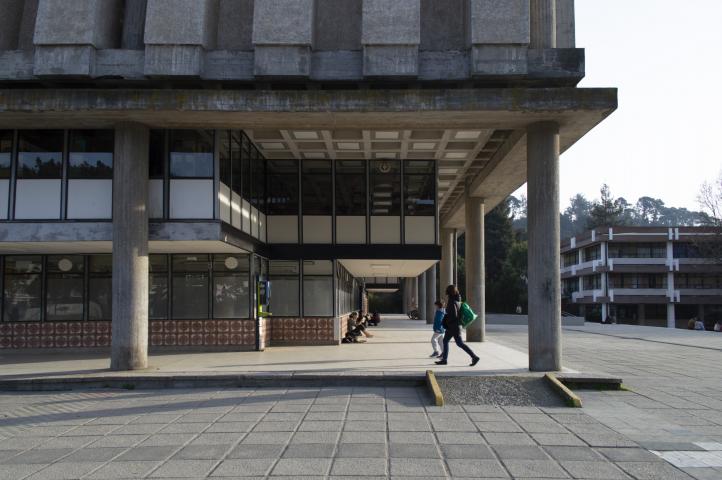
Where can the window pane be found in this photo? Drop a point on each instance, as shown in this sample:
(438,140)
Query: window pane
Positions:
(6,149)
(65,264)
(190,263)
(65,297)
(385,179)
(351,187)
(231,295)
(158,296)
(156,154)
(282,187)
(91,154)
(191,153)
(230,263)
(24,264)
(100,298)
(190,296)
(22,298)
(317,267)
(236,152)
(317,187)
(158,263)
(318,296)
(258,186)
(101,263)
(419,180)
(284,288)
(246,167)
(224,156)
(40,153)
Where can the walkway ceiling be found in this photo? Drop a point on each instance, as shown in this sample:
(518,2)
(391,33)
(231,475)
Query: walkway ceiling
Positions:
(387,268)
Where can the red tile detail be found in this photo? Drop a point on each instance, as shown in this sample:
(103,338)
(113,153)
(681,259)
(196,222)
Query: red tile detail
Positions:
(89,341)
(209,326)
(196,339)
(75,328)
(183,326)
(19,329)
(170,339)
(196,326)
(156,326)
(236,325)
(249,339)
(102,328)
(89,328)
(61,341)
(169,326)
(184,339)
(6,342)
(210,339)
(47,329)
(235,339)
(223,339)
(102,340)
(19,342)
(6,329)
(61,328)
(47,341)
(32,329)
(156,339)
(222,326)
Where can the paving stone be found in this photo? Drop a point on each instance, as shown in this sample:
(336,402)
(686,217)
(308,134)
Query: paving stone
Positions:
(5,454)
(500,427)
(359,467)
(230,427)
(302,466)
(476,469)
(364,426)
(167,439)
(94,454)
(320,426)
(367,437)
(372,416)
(71,442)
(361,450)
(467,452)
(534,468)
(606,440)
(118,441)
(543,427)
(201,452)
(593,470)
(184,428)
(310,450)
(19,471)
(416,467)
(628,455)
(652,471)
(703,473)
(520,452)
(138,429)
(64,471)
(217,438)
(573,453)
(115,470)
(558,439)
(412,450)
(451,422)
(457,438)
(38,456)
(666,445)
(147,453)
(244,468)
(508,439)
(267,437)
(273,426)
(250,451)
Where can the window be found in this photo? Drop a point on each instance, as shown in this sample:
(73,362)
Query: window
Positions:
(318,288)
(282,187)
(317,188)
(23,289)
(351,187)
(246,168)
(569,259)
(592,282)
(6,150)
(224,154)
(191,153)
(158,287)
(156,154)
(258,186)
(283,275)
(638,280)
(100,287)
(698,280)
(90,154)
(569,286)
(40,154)
(236,162)
(637,250)
(231,286)
(592,253)
(419,187)
(190,286)
(385,178)
(65,291)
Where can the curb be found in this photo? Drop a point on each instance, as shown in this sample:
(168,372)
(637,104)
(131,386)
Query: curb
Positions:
(141,382)
(434,388)
(569,397)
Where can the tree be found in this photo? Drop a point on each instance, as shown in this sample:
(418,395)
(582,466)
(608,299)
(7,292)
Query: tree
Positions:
(576,216)
(605,211)
(710,199)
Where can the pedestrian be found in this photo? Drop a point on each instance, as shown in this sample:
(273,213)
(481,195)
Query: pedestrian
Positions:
(452,326)
(438,329)
(699,324)
(718,326)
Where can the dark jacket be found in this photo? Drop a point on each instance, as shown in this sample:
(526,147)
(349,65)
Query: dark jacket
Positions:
(452,322)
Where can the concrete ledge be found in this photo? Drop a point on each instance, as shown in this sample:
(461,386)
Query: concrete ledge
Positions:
(434,388)
(565,393)
(590,381)
(153,381)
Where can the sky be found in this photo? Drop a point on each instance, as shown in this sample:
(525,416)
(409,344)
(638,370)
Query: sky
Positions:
(665,139)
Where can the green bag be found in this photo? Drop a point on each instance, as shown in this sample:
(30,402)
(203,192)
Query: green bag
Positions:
(467,315)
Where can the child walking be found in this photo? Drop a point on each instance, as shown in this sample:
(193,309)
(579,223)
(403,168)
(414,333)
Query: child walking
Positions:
(438,334)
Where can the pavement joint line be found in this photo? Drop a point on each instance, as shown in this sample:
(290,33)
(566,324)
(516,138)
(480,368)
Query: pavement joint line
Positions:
(434,388)
(644,339)
(563,391)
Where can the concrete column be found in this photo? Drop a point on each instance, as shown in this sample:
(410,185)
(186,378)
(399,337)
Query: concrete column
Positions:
(130,248)
(543,24)
(545,346)
(134,24)
(414,292)
(421,281)
(671,316)
(474,263)
(566,36)
(431,294)
(404,282)
(448,258)
(605,312)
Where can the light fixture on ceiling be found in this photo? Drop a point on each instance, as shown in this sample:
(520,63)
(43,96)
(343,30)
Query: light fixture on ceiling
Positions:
(386,135)
(456,155)
(348,146)
(467,135)
(272,146)
(423,145)
(305,135)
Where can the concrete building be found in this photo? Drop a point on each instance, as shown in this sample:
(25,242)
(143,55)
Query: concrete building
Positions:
(161,159)
(655,276)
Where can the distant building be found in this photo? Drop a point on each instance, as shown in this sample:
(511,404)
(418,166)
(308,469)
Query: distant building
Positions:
(654,276)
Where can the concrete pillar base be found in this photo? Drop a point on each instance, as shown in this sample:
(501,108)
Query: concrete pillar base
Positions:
(475,272)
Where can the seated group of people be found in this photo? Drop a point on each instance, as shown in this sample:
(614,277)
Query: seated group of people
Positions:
(358,324)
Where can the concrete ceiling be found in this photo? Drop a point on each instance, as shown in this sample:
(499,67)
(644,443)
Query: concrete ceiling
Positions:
(387,268)
(22,248)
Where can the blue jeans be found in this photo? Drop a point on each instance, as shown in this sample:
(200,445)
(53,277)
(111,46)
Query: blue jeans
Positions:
(459,342)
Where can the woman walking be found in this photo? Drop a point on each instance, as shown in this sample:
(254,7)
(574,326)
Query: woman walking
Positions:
(452,324)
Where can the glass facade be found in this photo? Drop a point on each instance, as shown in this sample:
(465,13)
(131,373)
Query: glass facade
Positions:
(40,154)
(6,150)
(638,280)
(385,187)
(90,154)
(284,277)
(318,288)
(317,187)
(637,250)
(419,187)
(191,153)
(282,187)
(351,187)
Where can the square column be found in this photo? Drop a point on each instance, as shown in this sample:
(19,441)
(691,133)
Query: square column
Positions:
(474,263)
(431,294)
(446,276)
(130,248)
(545,347)
(421,282)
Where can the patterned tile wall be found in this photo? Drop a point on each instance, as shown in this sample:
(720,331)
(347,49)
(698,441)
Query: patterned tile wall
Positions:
(303,331)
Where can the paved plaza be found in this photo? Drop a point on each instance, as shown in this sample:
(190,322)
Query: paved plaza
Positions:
(671,416)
